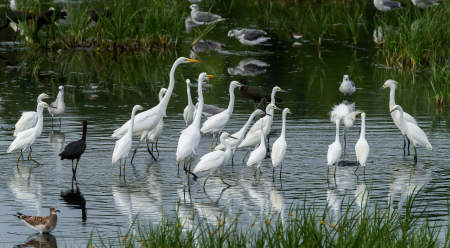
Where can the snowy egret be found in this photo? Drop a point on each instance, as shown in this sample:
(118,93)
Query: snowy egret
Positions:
(188,113)
(190,136)
(257,125)
(414,133)
(259,154)
(249,37)
(392,85)
(347,86)
(42,224)
(214,160)
(335,148)
(147,120)
(362,147)
(28,119)
(386,5)
(203,18)
(75,149)
(155,133)
(58,107)
(217,122)
(123,145)
(279,146)
(26,138)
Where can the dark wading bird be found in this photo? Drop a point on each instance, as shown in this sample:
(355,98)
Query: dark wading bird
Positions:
(75,149)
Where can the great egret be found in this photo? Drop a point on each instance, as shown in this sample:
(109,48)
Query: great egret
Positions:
(259,154)
(155,133)
(217,122)
(188,113)
(249,37)
(414,133)
(362,147)
(347,86)
(25,139)
(386,5)
(257,126)
(335,148)
(392,85)
(123,145)
(147,120)
(75,149)
(58,107)
(203,18)
(279,146)
(190,136)
(42,224)
(213,160)
(28,119)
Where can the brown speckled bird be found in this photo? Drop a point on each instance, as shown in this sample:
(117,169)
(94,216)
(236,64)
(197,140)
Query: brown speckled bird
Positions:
(42,224)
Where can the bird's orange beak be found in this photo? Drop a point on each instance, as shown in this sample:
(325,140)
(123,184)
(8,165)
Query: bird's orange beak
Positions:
(209,76)
(193,60)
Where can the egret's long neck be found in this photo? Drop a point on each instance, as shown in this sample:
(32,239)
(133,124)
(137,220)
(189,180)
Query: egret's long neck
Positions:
(189,95)
(337,130)
(130,129)
(198,113)
(392,97)
(283,126)
(402,119)
(363,128)
(247,124)
(163,103)
(263,138)
(231,103)
(40,122)
(228,151)
(272,97)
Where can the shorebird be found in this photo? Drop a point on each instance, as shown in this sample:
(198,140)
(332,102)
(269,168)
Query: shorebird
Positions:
(58,107)
(75,149)
(347,86)
(28,119)
(249,36)
(386,5)
(42,224)
(203,18)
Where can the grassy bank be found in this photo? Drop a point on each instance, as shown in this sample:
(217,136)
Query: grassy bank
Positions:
(304,227)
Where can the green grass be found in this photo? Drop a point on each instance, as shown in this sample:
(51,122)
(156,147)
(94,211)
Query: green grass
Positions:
(303,227)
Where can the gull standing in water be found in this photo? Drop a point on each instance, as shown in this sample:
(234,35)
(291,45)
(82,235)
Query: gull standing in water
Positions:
(249,37)
(386,5)
(203,18)
(28,119)
(58,107)
(279,146)
(347,86)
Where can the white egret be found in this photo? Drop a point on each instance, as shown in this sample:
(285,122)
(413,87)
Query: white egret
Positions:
(347,86)
(217,122)
(155,133)
(279,146)
(25,139)
(188,113)
(147,120)
(203,18)
(414,133)
(214,160)
(386,5)
(362,147)
(259,154)
(335,148)
(190,136)
(57,107)
(28,119)
(257,126)
(123,145)
(346,113)
(249,37)
(392,85)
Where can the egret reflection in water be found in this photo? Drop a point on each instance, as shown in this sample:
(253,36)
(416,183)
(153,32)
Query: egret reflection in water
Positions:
(56,139)
(26,189)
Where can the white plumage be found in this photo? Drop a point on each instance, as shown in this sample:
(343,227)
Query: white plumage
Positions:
(28,119)
(335,148)
(253,138)
(58,107)
(249,37)
(188,113)
(279,146)
(258,123)
(347,86)
(386,5)
(362,147)
(257,156)
(156,132)
(147,120)
(203,18)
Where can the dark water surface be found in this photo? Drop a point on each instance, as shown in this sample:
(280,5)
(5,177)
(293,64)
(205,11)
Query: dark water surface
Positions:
(153,189)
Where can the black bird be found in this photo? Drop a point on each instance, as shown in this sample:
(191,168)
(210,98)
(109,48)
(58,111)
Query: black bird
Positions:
(75,149)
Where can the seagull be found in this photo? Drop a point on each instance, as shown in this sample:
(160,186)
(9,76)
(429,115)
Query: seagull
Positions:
(249,67)
(423,3)
(248,36)
(347,86)
(42,224)
(386,5)
(203,18)
(58,107)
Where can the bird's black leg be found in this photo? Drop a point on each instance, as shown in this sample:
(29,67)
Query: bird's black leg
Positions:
(345,141)
(134,153)
(124,164)
(59,123)
(232,160)
(52,122)
(223,181)
(29,154)
(120,167)
(76,166)
(408,145)
(156,147)
(20,156)
(73,170)
(273,174)
(415,154)
(245,156)
(404,146)
(150,152)
(281,168)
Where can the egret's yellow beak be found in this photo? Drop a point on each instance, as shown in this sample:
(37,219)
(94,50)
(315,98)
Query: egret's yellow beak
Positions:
(393,109)
(275,107)
(384,86)
(209,76)
(46,96)
(193,60)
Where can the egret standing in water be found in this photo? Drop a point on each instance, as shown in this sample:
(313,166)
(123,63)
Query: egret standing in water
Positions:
(392,85)
(28,119)
(188,113)
(155,133)
(414,133)
(214,160)
(75,149)
(347,86)
(190,136)
(216,123)
(257,156)
(335,148)
(147,120)
(123,145)
(25,139)
(279,146)
(362,147)
(57,107)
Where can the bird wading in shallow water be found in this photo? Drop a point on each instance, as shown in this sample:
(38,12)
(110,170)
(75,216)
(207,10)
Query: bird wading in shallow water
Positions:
(347,86)
(279,146)
(42,224)
(203,18)
(155,133)
(249,37)
(57,107)
(28,119)
(75,149)
(362,147)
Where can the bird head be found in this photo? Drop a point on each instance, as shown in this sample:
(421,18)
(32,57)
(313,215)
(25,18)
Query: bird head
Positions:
(390,84)
(54,210)
(204,77)
(346,78)
(188,81)
(232,33)
(194,7)
(396,107)
(137,108)
(287,111)
(234,84)
(183,60)
(61,88)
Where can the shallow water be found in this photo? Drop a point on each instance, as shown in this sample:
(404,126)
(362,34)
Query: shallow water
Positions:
(153,189)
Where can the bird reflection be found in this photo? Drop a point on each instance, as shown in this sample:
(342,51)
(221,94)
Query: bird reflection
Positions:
(45,240)
(204,46)
(26,189)
(265,196)
(189,24)
(249,67)
(74,197)
(409,180)
(185,209)
(57,138)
